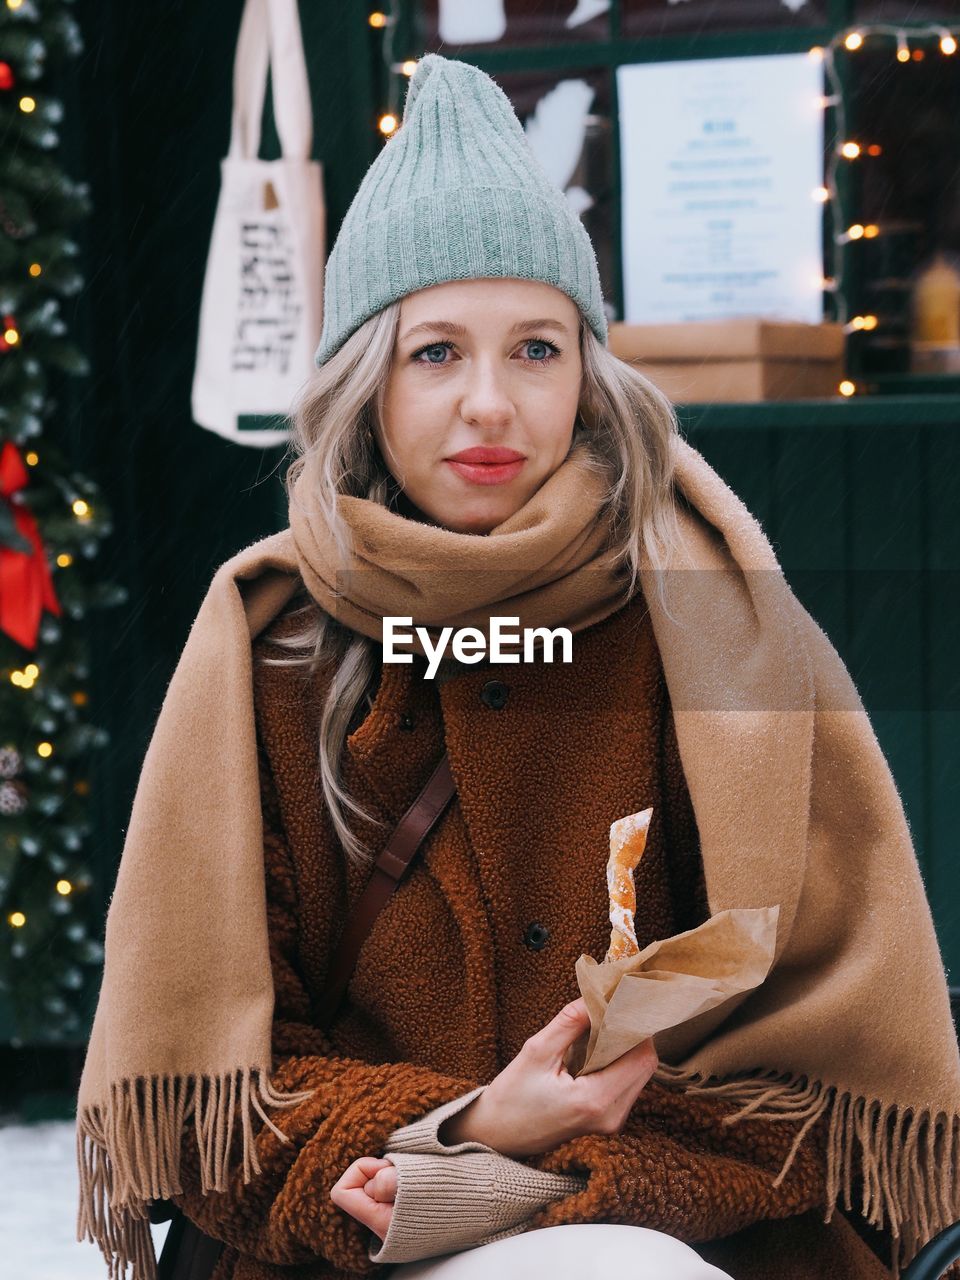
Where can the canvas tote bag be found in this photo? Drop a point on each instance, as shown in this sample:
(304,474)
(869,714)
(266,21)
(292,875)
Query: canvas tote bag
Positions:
(261,312)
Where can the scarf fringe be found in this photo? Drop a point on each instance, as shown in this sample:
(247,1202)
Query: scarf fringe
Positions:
(907,1158)
(130,1155)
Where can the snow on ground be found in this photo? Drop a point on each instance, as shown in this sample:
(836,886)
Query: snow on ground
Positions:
(38,1206)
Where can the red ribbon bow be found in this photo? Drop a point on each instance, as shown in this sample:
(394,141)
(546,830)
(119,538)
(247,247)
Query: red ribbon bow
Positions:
(26,585)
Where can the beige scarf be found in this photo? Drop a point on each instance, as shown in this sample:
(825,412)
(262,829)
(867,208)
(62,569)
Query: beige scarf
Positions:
(794,802)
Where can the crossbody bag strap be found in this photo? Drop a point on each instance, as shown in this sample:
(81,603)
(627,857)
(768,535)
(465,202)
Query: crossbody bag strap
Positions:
(398,853)
(189,1254)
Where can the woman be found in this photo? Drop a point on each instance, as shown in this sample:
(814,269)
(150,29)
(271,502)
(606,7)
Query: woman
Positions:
(434,1117)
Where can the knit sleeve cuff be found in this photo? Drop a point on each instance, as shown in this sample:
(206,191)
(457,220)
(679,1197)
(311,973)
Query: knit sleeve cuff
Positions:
(420,1137)
(446,1203)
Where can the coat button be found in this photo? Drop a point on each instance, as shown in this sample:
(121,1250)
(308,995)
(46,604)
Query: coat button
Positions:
(536,936)
(494,694)
(406,723)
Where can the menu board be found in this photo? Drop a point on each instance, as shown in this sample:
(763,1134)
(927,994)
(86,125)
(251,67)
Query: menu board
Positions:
(721,160)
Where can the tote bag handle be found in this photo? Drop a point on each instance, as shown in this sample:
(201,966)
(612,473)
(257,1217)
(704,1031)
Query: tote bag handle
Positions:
(270,34)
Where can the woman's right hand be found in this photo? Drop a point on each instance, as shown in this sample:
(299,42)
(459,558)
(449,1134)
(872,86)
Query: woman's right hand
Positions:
(535,1104)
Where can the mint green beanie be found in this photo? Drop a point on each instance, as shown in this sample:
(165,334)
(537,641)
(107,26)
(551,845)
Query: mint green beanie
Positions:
(455,194)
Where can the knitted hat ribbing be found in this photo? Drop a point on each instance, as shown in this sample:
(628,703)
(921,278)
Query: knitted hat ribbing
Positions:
(455,194)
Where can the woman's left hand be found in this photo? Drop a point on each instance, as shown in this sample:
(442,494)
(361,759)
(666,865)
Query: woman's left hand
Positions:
(367,1191)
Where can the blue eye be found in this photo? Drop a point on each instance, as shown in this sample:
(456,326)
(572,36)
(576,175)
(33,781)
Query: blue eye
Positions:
(552,349)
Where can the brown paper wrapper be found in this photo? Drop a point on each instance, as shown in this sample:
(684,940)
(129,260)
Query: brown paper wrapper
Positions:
(670,982)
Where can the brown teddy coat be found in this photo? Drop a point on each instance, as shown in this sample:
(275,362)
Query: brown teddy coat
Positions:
(446,989)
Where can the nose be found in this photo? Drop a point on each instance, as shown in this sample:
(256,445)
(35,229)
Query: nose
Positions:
(486,399)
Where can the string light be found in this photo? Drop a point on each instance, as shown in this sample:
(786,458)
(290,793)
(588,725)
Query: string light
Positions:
(11,336)
(64,887)
(81,509)
(852,41)
(35,269)
(389,121)
(847,388)
(28,104)
(64,560)
(17,919)
(45,749)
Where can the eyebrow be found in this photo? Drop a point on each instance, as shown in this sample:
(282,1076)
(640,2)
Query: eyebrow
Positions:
(459,330)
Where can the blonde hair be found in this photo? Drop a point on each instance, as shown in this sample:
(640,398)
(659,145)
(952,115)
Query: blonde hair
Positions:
(626,429)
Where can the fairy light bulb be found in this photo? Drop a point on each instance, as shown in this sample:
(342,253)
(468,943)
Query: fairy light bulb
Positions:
(377,19)
(853,41)
(871,230)
(388,124)
(12,336)
(45,750)
(948,44)
(850,150)
(35,269)
(64,887)
(855,232)
(28,104)
(816,53)
(31,458)
(847,388)
(408,67)
(64,560)
(81,509)
(903,49)
(17,919)
(821,195)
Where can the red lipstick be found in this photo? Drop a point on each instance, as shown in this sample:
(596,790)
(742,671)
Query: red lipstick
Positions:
(487,464)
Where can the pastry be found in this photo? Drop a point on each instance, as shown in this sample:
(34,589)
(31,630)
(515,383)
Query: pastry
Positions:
(628,839)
